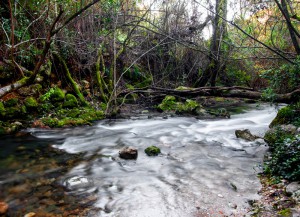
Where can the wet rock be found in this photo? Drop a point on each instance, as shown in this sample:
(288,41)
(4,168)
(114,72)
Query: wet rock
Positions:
(31,214)
(3,207)
(152,151)
(292,187)
(246,135)
(78,182)
(128,153)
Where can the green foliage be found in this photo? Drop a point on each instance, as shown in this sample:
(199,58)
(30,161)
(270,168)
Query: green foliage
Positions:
(54,95)
(47,95)
(73,117)
(285,159)
(152,151)
(268,94)
(31,103)
(2,109)
(168,104)
(236,76)
(284,79)
(70,101)
(11,102)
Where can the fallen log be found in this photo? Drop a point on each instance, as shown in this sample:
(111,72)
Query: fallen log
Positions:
(233,92)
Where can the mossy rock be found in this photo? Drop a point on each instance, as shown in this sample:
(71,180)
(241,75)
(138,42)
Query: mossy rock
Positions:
(152,151)
(11,102)
(169,103)
(2,109)
(58,95)
(31,103)
(284,116)
(70,101)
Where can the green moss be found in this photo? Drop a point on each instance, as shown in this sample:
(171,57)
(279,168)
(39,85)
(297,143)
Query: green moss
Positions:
(11,102)
(51,122)
(169,104)
(70,101)
(58,95)
(31,103)
(284,116)
(152,151)
(2,109)
(184,88)
(74,113)
(285,213)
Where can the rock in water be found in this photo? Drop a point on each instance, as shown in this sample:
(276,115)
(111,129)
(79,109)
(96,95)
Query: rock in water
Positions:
(152,151)
(3,207)
(246,135)
(128,153)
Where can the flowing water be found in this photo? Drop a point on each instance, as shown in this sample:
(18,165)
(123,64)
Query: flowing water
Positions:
(204,170)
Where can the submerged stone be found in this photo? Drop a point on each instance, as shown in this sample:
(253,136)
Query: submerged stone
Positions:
(128,153)
(3,207)
(78,182)
(152,151)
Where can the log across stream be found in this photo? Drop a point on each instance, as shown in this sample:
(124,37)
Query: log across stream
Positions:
(204,170)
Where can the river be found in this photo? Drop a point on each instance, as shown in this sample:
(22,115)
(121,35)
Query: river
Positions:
(204,170)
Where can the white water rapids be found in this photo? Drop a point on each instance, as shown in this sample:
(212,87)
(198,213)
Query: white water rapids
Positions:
(204,170)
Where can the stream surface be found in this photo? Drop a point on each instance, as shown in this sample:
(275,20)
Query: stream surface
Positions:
(204,170)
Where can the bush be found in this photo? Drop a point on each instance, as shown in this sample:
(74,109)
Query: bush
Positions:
(285,159)
(285,79)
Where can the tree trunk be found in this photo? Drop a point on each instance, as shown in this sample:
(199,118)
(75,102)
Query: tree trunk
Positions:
(215,55)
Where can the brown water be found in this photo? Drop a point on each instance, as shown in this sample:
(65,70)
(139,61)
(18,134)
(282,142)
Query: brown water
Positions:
(204,170)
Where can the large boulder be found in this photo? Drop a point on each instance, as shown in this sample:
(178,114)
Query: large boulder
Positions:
(128,153)
(246,135)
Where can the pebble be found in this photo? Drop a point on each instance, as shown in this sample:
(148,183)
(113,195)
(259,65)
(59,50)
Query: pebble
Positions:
(220,195)
(31,214)
(3,207)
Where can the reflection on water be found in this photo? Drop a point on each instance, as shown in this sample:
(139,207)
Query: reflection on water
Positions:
(204,170)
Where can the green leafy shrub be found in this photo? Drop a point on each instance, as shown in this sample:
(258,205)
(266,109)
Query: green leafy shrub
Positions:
(47,95)
(168,104)
(284,79)
(285,159)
